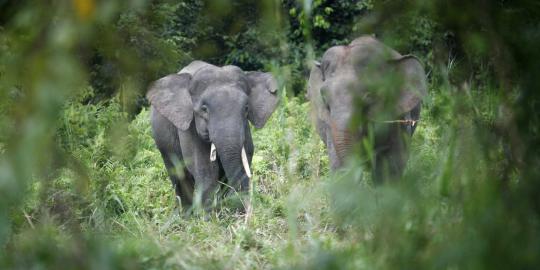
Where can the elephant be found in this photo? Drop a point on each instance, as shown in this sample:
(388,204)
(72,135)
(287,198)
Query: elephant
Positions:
(367,92)
(199,120)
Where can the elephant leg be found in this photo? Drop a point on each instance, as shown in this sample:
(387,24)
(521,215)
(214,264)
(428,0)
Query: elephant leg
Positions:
(396,156)
(203,172)
(389,165)
(207,186)
(379,170)
(167,141)
(181,178)
(391,155)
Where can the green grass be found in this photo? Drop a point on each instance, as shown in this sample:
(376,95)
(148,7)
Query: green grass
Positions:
(112,205)
(116,187)
(82,185)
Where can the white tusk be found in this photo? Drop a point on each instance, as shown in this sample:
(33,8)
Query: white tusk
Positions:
(245,162)
(213,153)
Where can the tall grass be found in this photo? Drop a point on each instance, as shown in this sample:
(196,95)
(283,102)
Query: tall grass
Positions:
(115,186)
(445,212)
(82,184)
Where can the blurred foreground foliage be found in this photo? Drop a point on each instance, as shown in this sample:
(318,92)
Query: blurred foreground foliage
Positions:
(82,185)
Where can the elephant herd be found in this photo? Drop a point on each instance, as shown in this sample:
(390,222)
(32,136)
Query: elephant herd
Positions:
(200,115)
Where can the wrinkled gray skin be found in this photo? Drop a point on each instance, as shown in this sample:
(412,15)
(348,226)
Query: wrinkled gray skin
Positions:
(205,104)
(370,80)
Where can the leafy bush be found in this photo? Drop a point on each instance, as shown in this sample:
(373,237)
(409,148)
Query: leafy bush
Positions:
(83,186)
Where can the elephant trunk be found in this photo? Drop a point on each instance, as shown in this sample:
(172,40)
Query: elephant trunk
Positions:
(232,155)
(233,165)
(342,137)
(343,144)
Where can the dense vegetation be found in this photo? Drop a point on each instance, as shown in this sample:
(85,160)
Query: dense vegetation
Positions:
(82,185)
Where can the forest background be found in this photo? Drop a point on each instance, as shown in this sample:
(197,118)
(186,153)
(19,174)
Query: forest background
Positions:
(83,187)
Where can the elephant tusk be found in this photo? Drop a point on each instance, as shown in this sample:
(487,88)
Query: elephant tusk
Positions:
(245,162)
(213,153)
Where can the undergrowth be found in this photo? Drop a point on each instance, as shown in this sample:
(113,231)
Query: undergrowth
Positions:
(112,205)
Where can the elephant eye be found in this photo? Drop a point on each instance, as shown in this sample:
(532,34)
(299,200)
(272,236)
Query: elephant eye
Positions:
(204,108)
(246,109)
(323,67)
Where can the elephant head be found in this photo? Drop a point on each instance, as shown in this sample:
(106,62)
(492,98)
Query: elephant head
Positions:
(216,103)
(368,80)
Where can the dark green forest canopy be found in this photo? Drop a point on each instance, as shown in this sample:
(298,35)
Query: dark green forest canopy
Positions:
(166,35)
(78,167)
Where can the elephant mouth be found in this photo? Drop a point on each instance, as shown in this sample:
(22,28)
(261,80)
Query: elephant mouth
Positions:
(245,163)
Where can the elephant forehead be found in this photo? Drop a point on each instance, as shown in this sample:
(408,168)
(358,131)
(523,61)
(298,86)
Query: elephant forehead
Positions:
(343,81)
(210,78)
(369,46)
(359,55)
(225,94)
(217,78)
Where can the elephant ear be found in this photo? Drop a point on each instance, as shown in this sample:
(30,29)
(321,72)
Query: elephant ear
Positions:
(315,81)
(170,97)
(262,98)
(314,90)
(414,85)
(319,114)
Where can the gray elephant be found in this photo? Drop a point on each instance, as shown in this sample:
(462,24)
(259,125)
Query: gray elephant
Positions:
(200,125)
(381,88)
